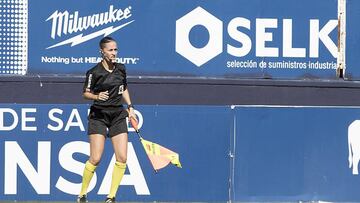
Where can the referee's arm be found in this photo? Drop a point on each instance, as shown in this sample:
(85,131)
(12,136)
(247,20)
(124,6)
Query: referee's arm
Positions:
(126,97)
(102,96)
(90,96)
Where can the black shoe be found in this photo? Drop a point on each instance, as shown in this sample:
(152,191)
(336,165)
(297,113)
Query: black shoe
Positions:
(82,199)
(110,200)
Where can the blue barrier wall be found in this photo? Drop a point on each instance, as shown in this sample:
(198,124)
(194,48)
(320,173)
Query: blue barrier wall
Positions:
(289,154)
(279,154)
(44,148)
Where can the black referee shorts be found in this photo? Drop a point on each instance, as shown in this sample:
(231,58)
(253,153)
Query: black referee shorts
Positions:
(107,122)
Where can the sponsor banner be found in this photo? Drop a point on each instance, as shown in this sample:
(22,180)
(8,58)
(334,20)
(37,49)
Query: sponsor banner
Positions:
(279,154)
(231,38)
(44,148)
(297,154)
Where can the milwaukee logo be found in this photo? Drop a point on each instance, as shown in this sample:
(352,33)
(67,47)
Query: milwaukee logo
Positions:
(64,23)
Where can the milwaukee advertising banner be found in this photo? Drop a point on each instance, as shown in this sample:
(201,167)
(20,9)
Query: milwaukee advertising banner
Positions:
(44,148)
(227,38)
(296,154)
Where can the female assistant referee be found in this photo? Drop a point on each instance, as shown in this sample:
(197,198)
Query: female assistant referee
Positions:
(106,85)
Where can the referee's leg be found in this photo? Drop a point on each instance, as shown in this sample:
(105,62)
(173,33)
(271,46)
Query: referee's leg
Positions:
(120,143)
(97,142)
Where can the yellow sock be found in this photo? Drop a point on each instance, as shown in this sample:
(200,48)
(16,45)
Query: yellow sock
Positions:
(117,175)
(87,175)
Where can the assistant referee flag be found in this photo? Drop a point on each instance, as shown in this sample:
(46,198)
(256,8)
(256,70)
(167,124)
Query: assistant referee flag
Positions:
(158,155)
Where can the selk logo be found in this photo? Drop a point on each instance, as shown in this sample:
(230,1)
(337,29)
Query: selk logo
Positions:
(264,44)
(199,56)
(64,23)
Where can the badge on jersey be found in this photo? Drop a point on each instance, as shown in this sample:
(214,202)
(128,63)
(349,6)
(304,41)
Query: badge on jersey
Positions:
(121,89)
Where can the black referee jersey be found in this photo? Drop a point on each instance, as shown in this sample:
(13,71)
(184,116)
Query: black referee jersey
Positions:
(98,79)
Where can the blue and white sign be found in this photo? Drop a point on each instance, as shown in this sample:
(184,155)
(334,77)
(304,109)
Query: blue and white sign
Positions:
(231,38)
(297,154)
(44,148)
(267,153)
(193,38)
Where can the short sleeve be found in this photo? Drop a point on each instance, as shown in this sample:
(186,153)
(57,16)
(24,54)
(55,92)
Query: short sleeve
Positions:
(89,82)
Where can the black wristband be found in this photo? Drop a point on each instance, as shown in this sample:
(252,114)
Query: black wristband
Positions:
(130,106)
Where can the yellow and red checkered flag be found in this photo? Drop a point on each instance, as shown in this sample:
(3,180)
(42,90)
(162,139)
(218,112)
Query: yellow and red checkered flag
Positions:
(158,155)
